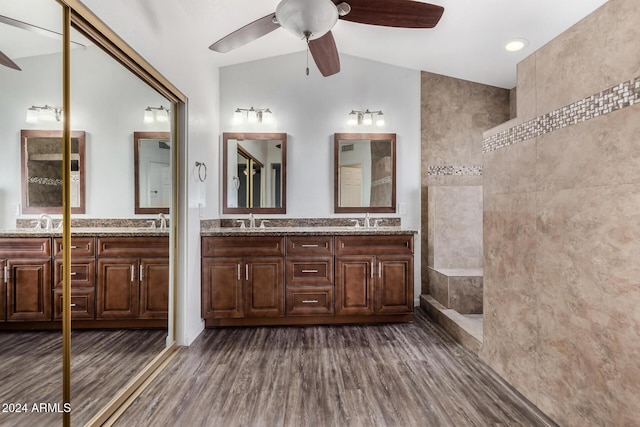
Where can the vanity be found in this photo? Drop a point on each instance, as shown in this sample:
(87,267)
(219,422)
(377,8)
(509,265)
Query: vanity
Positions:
(306,275)
(119,278)
(307,271)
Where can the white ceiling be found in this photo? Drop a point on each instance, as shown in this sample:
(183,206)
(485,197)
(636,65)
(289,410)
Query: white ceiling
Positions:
(468,43)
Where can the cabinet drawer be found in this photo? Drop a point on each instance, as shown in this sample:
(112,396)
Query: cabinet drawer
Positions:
(133,246)
(20,247)
(306,301)
(243,246)
(309,271)
(82,304)
(83,273)
(374,245)
(80,247)
(310,245)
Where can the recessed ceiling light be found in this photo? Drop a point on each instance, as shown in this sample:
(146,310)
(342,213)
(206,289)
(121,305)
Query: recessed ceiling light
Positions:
(515,45)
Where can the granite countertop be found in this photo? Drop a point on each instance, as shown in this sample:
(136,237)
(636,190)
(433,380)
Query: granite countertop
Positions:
(87,232)
(306,231)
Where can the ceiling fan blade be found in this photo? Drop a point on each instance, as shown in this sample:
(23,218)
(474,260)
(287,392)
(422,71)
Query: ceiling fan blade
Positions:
(246,34)
(393,13)
(4,60)
(325,54)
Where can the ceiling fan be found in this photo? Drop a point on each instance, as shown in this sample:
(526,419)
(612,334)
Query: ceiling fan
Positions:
(7,62)
(312,20)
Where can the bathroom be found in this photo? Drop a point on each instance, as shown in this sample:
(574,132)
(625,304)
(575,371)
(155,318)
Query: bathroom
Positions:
(516,184)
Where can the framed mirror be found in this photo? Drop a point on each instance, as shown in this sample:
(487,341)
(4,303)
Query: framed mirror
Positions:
(41,167)
(152,182)
(254,171)
(365,172)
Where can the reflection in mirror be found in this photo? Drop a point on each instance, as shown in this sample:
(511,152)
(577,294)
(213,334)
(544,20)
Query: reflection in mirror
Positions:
(152,154)
(42,171)
(364,172)
(254,172)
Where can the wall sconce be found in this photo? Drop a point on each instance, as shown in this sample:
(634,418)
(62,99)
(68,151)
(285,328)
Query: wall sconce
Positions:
(365,118)
(253,115)
(45,114)
(156,114)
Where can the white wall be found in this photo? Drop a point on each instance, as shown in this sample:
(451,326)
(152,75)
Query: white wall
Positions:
(160,31)
(310,109)
(107,102)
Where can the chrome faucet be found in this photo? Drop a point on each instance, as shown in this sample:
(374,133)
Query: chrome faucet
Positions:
(252,221)
(367,222)
(48,223)
(163,220)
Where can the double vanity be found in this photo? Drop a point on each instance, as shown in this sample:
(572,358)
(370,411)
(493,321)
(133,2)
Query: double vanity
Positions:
(119,278)
(306,275)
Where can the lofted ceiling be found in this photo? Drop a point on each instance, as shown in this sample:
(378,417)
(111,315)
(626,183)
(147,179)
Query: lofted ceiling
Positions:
(468,42)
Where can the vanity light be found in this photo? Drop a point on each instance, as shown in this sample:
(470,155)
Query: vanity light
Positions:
(253,115)
(365,118)
(156,114)
(45,114)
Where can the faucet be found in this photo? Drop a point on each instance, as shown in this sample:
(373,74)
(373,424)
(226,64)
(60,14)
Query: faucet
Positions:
(367,222)
(163,220)
(49,222)
(252,221)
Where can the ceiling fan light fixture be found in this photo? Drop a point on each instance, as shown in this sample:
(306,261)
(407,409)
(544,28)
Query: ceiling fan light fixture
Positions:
(303,17)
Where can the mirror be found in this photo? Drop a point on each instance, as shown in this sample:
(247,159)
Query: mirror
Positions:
(41,166)
(364,172)
(152,155)
(254,173)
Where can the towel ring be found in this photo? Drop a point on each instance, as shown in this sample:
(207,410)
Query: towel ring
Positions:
(200,167)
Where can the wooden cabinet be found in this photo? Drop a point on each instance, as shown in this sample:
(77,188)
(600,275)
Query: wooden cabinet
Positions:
(26,277)
(83,278)
(242,277)
(327,279)
(132,278)
(309,276)
(374,275)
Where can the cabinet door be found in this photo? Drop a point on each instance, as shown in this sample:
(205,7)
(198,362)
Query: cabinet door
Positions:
(117,288)
(3,292)
(154,288)
(394,284)
(264,290)
(354,285)
(28,289)
(222,294)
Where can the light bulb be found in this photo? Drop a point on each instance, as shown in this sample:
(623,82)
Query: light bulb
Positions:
(267,117)
(252,116)
(237,116)
(162,116)
(32,115)
(353,119)
(367,120)
(148,116)
(380,119)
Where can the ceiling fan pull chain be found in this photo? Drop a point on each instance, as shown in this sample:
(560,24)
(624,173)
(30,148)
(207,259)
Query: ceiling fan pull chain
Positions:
(306,36)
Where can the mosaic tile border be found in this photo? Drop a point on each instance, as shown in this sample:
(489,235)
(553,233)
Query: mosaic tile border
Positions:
(615,98)
(454,170)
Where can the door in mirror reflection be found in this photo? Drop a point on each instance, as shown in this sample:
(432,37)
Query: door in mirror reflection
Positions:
(364,172)
(254,172)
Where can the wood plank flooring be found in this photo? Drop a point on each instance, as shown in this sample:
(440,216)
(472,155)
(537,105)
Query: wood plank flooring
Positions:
(366,375)
(102,362)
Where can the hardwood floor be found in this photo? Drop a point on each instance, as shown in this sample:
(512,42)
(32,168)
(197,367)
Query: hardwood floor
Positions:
(368,375)
(101,363)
